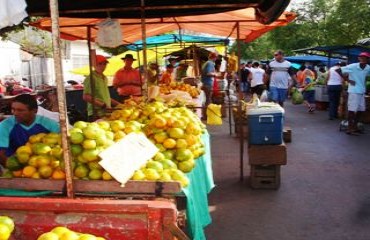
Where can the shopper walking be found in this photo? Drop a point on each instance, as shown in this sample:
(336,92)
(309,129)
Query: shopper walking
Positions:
(279,72)
(258,77)
(207,78)
(334,82)
(357,73)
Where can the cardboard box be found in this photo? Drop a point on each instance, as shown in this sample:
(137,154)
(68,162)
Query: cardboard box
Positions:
(287,134)
(265,176)
(267,154)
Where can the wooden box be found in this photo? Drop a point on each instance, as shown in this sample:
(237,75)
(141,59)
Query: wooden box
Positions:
(265,176)
(287,134)
(267,154)
(321,105)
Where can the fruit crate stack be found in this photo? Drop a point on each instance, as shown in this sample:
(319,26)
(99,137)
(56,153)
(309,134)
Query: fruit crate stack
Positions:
(266,148)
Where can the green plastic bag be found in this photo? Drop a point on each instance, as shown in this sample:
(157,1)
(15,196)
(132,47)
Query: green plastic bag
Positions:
(297,97)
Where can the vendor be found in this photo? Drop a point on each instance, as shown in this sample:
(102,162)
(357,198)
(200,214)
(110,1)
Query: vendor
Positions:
(102,99)
(127,80)
(24,123)
(166,78)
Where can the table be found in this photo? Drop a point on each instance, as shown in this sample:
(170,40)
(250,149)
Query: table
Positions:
(201,184)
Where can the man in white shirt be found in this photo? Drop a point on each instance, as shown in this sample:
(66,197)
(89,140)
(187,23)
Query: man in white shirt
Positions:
(258,79)
(279,72)
(334,82)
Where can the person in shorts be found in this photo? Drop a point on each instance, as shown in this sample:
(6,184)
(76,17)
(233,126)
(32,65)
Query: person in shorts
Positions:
(356,78)
(279,72)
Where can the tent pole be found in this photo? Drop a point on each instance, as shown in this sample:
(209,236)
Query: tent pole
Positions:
(61,96)
(143,36)
(241,135)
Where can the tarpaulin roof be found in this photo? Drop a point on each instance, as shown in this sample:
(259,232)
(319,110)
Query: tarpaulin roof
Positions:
(350,51)
(219,24)
(166,39)
(265,11)
(314,59)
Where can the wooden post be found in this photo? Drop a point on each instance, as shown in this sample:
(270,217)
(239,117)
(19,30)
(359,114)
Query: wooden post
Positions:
(61,96)
(143,36)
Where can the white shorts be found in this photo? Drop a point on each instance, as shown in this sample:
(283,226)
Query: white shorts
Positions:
(356,102)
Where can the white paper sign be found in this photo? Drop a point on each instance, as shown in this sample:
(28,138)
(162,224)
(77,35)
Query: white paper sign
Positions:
(127,155)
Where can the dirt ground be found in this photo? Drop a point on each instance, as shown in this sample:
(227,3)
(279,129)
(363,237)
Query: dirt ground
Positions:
(324,192)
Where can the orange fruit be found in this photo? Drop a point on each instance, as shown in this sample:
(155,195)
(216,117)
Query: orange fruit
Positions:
(89,144)
(48,236)
(36,175)
(106,176)
(160,122)
(69,236)
(4,232)
(160,137)
(45,171)
(43,160)
(24,149)
(17,173)
(95,174)
(58,174)
(181,143)
(176,132)
(28,171)
(7,221)
(81,171)
(169,143)
(138,175)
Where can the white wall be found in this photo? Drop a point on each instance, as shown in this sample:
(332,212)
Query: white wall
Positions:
(10,60)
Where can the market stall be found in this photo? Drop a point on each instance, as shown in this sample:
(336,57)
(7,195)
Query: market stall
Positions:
(200,174)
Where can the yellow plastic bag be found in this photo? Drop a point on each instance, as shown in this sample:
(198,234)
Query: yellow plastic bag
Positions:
(214,114)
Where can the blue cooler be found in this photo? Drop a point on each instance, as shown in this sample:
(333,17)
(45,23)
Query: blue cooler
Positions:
(265,124)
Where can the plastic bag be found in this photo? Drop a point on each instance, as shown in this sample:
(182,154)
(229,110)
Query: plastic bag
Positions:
(109,33)
(297,97)
(214,114)
(264,96)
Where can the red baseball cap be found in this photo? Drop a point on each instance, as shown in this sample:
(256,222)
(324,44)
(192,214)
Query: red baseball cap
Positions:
(364,54)
(101,59)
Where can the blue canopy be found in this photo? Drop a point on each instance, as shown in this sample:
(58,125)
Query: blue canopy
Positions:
(315,59)
(349,51)
(166,39)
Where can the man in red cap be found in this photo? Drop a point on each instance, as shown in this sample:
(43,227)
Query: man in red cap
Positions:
(127,80)
(356,78)
(102,99)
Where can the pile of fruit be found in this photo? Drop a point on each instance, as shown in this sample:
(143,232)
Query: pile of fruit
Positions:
(63,233)
(175,131)
(40,157)
(6,227)
(177,134)
(192,90)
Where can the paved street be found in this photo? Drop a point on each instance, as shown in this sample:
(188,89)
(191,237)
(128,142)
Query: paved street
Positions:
(324,193)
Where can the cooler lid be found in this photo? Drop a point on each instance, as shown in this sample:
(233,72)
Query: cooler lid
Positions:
(266,108)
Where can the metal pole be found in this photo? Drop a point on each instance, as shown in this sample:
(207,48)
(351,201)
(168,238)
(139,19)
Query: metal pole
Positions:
(61,96)
(240,110)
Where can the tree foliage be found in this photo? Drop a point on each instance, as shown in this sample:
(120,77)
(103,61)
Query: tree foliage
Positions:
(318,22)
